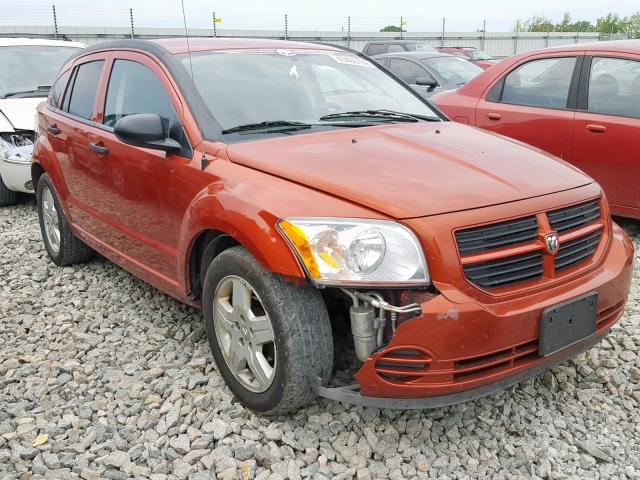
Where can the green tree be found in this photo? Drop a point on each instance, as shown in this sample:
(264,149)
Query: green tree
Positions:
(538,24)
(392,28)
(631,25)
(610,23)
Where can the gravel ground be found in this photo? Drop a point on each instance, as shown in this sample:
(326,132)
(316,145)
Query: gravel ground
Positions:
(102,376)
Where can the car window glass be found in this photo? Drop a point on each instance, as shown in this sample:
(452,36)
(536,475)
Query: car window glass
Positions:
(540,83)
(134,88)
(85,86)
(57,91)
(376,49)
(453,70)
(407,70)
(614,87)
(332,80)
(394,47)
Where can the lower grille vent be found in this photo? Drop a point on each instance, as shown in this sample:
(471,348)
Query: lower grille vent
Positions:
(505,271)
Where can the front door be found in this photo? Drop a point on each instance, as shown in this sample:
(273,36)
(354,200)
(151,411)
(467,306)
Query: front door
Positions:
(606,141)
(532,103)
(137,194)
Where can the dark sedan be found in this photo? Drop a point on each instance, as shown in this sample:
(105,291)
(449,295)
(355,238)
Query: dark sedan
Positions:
(429,73)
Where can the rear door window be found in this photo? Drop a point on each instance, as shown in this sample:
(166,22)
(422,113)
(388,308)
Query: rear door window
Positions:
(83,91)
(614,87)
(395,47)
(407,70)
(540,83)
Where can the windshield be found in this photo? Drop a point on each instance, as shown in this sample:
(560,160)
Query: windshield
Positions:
(253,86)
(25,68)
(453,70)
(479,55)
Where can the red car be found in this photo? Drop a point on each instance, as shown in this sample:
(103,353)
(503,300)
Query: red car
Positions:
(479,57)
(296,191)
(578,102)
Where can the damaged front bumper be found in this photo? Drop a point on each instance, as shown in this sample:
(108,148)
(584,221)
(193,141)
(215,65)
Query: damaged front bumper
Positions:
(459,349)
(15,167)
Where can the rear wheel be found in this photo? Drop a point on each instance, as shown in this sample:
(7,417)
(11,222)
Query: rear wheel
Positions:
(7,197)
(270,340)
(63,247)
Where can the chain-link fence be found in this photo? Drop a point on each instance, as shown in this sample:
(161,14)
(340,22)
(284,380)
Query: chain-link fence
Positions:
(93,25)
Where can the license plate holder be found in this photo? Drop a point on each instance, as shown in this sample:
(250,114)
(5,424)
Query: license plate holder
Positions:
(567,323)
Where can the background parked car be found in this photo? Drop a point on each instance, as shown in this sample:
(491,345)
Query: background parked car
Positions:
(380,47)
(429,73)
(28,68)
(473,54)
(579,102)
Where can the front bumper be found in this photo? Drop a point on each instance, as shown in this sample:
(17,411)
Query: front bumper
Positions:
(460,349)
(16,173)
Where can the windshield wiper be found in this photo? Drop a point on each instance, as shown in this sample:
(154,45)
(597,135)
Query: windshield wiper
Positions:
(39,89)
(388,115)
(268,125)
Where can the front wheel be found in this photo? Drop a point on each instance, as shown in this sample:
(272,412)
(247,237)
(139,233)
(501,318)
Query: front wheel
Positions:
(270,340)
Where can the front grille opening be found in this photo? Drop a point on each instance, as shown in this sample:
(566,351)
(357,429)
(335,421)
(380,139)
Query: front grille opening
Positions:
(505,271)
(568,218)
(403,365)
(577,250)
(485,364)
(497,235)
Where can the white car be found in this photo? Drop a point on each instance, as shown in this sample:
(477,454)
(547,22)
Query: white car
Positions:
(28,68)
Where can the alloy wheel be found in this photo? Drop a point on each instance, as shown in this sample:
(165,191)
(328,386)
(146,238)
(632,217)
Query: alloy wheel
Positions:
(50,219)
(244,333)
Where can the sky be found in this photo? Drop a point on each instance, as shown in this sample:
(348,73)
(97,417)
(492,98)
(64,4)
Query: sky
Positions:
(366,15)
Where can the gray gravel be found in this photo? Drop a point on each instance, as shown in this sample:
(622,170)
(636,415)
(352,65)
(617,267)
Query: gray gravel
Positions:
(102,376)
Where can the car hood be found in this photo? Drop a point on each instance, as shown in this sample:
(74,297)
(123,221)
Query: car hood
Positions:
(412,170)
(20,112)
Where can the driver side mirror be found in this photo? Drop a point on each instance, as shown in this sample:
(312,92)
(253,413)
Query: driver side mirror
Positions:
(427,82)
(146,130)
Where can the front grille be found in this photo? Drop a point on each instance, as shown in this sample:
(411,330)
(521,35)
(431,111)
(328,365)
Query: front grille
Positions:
(403,364)
(575,216)
(577,250)
(504,234)
(505,271)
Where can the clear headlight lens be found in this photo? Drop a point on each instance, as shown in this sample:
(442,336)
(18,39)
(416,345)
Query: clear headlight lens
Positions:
(336,251)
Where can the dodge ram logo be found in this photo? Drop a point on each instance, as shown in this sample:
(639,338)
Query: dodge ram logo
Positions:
(552,243)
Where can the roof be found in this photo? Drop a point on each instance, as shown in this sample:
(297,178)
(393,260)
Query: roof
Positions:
(631,46)
(391,40)
(414,55)
(179,45)
(458,48)
(11,42)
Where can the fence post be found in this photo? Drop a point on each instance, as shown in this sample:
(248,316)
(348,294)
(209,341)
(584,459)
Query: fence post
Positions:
(55,23)
(484,34)
(349,32)
(443,28)
(131,17)
(546,44)
(515,40)
(400,28)
(286,27)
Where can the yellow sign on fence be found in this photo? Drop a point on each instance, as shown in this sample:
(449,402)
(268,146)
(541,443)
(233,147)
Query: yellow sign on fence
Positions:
(217,20)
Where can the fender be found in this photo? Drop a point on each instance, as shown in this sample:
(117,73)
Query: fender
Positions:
(250,225)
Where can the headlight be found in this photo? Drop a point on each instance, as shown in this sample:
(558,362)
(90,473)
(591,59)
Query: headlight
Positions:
(336,251)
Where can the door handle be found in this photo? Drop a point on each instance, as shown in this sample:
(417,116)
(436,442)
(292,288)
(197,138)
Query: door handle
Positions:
(596,128)
(494,116)
(53,129)
(99,149)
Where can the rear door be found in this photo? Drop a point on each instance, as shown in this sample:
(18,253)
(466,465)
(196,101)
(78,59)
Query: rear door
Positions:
(534,102)
(606,141)
(69,130)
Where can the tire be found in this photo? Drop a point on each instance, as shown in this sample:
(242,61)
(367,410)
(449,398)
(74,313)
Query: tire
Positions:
(7,197)
(302,347)
(69,248)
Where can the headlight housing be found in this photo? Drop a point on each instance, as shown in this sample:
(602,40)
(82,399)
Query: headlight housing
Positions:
(352,252)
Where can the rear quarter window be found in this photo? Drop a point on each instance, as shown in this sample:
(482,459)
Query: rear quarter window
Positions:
(57,91)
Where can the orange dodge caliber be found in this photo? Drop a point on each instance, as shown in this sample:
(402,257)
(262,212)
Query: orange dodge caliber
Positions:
(297,192)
